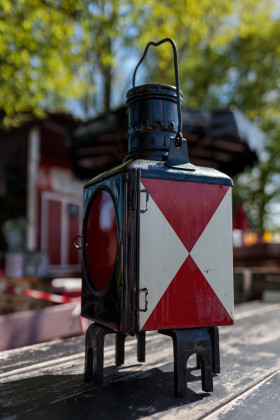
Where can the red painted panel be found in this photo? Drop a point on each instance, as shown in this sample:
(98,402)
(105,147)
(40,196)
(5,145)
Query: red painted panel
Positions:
(101,240)
(43,178)
(188,302)
(54,232)
(188,206)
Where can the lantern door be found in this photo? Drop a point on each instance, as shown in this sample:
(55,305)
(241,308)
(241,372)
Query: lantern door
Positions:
(185,255)
(109,251)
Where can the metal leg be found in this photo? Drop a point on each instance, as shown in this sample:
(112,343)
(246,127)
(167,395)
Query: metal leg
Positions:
(214,336)
(120,346)
(185,343)
(94,356)
(198,361)
(120,340)
(141,346)
(94,353)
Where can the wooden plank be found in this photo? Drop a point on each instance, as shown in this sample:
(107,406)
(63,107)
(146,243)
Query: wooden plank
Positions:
(47,379)
(25,357)
(261,402)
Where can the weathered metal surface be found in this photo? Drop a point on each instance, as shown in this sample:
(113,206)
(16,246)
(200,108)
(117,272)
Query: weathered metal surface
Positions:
(185,343)
(117,306)
(46,380)
(186,255)
(204,342)
(94,352)
(109,300)
(94,358)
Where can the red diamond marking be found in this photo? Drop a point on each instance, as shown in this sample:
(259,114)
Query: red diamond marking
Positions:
(188,290)
(188,206)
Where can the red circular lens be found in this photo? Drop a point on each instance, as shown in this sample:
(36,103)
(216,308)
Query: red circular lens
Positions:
(101,240)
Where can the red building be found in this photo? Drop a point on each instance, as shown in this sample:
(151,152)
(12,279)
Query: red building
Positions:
(38,186)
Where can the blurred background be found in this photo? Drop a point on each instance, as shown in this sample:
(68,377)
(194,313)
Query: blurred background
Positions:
(65,69)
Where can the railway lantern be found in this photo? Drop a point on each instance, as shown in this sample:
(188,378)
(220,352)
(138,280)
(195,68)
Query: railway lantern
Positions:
(157,238)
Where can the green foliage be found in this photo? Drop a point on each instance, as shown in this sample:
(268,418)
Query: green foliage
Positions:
(36,54)
(55,50)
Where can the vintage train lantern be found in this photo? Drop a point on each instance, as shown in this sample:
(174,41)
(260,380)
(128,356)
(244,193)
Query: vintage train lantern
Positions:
(157,240)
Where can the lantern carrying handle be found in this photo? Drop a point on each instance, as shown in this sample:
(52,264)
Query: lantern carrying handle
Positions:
(179,136)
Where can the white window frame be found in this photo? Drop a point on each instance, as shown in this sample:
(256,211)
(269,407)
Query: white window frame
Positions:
(46,196)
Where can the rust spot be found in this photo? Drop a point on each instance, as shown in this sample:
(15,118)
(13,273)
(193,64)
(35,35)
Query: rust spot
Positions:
(206,270)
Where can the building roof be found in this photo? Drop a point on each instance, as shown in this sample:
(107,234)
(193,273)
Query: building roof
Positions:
(223,139)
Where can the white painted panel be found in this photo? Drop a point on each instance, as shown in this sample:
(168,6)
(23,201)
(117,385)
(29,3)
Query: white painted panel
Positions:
(213,253)
(161,255)
(64,181)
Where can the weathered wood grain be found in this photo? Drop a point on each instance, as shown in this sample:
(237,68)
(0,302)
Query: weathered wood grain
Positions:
(260,402)
(46,380)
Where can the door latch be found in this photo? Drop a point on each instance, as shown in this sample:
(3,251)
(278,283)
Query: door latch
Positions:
(144,198)
(143,299)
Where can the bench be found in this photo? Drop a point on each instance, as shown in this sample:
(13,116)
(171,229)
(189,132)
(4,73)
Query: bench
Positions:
(47,380)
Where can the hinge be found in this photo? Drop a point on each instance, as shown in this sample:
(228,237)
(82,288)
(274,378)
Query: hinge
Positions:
(143,299)
(134,200)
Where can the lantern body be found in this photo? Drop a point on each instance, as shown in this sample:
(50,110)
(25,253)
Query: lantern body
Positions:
(157,250)
(157,232)
(157,242)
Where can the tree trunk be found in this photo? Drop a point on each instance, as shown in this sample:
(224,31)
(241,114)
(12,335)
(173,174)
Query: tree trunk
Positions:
(107,74)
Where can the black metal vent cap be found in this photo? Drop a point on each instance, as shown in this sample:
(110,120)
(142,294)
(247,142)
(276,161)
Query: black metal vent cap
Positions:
(152,91)
(152,117)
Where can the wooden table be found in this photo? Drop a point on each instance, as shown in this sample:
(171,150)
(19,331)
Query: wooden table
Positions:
(261,254)
(45,381)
